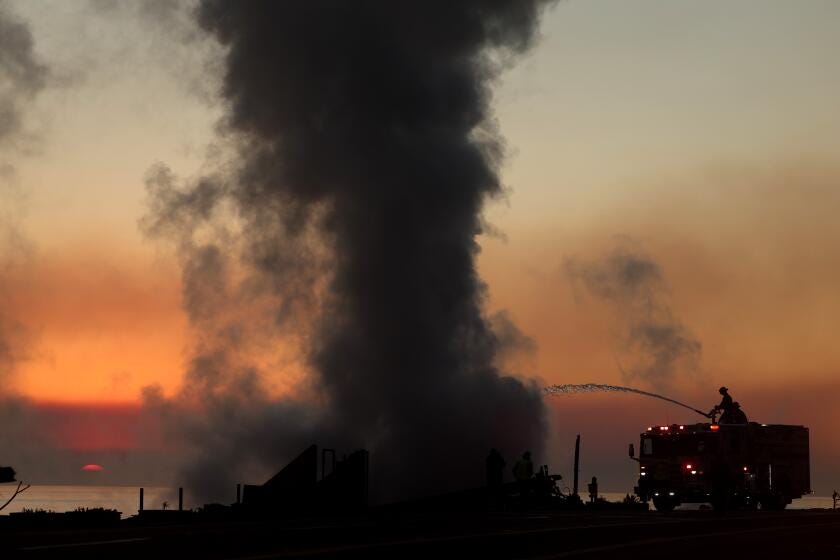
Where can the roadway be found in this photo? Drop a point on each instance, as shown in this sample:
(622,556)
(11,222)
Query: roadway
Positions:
(532,535)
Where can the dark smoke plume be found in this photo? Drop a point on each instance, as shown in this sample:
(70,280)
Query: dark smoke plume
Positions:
(631,283)
(366,150)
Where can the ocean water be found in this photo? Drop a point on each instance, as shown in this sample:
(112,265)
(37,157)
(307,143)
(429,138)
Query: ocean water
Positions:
(126,498)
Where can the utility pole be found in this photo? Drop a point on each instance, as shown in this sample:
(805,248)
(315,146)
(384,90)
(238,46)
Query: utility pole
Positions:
(577,464)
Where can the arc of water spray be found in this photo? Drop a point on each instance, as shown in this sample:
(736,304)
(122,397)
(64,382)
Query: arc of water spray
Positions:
(595,387)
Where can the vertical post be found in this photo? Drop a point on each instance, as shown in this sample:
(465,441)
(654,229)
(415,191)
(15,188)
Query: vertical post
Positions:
(366,489)
(577,464)
(141,501)
(238,493)
(324,462)
(181,499)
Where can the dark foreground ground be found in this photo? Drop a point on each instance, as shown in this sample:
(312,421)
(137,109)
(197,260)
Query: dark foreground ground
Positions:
(649,535)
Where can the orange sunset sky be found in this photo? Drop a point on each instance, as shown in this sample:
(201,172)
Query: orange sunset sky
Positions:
(701,135)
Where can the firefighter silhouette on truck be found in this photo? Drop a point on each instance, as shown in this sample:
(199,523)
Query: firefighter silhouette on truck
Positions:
(729,410)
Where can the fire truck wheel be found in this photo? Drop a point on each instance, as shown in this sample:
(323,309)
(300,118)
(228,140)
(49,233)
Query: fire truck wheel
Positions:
(664,504)
(751,504)
(773,502)
(720,503)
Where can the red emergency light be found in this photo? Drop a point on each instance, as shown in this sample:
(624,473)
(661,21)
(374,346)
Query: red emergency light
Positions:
(714,427)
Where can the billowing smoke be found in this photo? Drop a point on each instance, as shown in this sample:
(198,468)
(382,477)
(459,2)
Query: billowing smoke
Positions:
(14,342)
(514,348)
(658,345)
(22,76)
(365,150)
(163,20)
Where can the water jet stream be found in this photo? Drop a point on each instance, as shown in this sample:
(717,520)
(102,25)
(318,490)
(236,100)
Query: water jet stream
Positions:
(595,387)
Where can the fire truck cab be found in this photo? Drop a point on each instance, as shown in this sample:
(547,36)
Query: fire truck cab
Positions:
(728,465)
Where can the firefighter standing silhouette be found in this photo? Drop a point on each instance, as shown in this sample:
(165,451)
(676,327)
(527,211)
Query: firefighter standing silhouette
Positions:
(495,465)
(726,405)
(523,472)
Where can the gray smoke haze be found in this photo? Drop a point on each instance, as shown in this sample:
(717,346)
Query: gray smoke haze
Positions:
(22,76)
(160,17)
(365,150)
(15,336)
(14,346)
(659,346)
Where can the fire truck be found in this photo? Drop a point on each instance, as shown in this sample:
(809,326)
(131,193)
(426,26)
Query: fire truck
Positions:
(728,465)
